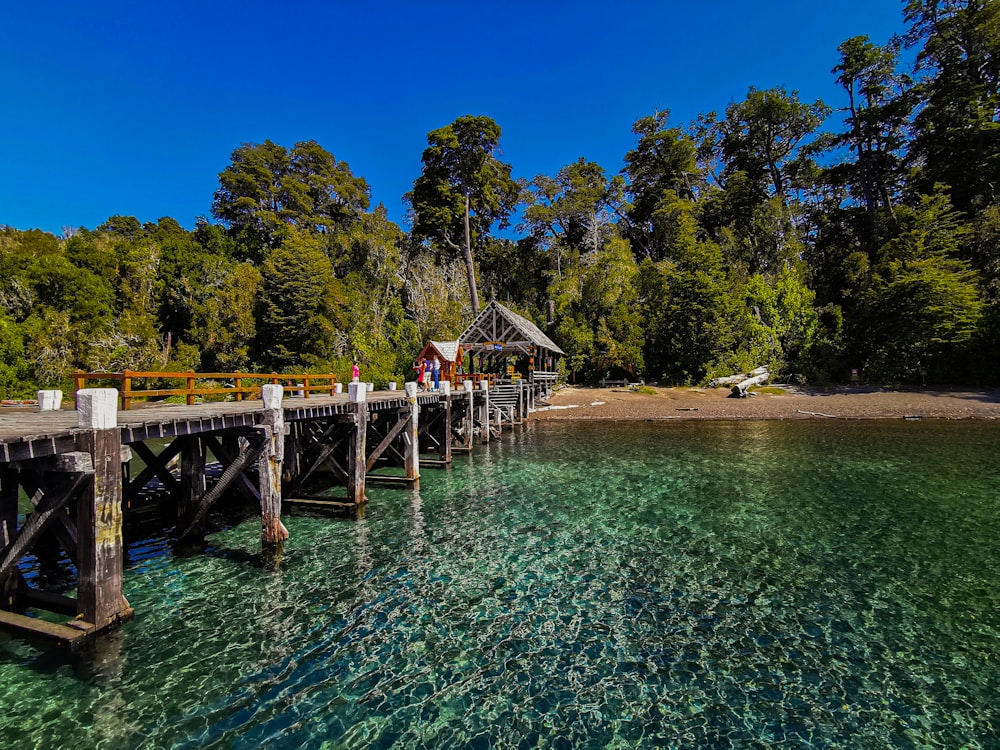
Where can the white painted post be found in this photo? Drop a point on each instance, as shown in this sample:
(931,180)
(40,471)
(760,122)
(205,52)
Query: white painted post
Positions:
(338,387)
(49,400)
(357,391)
(371,387)
(392,385)
(445,386)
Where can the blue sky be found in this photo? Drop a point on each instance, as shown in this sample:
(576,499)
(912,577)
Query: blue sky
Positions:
(134,108)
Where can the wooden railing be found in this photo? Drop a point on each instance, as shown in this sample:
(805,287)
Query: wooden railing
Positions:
(240,385)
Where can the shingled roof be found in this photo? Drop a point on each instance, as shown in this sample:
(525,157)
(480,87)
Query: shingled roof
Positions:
(496,323)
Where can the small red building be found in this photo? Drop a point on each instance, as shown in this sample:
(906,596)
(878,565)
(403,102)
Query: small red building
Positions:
(449,352)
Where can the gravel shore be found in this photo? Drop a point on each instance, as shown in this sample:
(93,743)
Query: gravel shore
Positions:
(775,402)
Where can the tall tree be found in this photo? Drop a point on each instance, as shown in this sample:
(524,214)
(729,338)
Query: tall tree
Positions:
(879,102)
(463,189)
(575,207)
(301,305)
(958,127)
(267,189)
(663,160)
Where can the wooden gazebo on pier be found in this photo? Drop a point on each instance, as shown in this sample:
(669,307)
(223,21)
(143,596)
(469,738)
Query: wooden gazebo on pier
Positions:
(509,345)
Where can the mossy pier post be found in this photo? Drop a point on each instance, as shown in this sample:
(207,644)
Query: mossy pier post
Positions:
(99,512)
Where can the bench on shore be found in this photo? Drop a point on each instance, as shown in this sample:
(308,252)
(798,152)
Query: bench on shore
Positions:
(623,383)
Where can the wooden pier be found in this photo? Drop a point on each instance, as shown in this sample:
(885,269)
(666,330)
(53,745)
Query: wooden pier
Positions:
(75,467)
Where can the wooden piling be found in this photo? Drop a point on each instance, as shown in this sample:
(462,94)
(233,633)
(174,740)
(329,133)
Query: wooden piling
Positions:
(99,513)
(193,459)
(273,533)
(484,414)
(411,446)
(469,421)
(8,528)
(445,435)
(357,394)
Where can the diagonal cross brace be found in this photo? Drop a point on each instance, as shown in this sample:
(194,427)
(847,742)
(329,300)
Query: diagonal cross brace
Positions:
(386,441)
(247,456)
(46,509)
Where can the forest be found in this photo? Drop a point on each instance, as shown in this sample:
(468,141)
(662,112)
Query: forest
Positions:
(819,238)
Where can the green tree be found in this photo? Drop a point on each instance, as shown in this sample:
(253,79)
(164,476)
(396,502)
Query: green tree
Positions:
(574,209)
(301,306)
(685,299)
(664,160)
(879,103)
(957,139)
(267,189)
(921,305)
(463,190)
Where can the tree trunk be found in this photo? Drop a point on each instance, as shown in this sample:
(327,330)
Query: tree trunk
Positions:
(470,266)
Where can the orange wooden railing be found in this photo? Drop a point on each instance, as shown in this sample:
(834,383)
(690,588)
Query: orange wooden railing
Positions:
(238,384)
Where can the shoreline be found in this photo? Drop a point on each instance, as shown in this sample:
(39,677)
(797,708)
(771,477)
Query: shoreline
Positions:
(575,403)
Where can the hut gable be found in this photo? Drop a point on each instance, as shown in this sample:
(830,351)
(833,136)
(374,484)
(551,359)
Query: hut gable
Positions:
(447,350)
(503,329)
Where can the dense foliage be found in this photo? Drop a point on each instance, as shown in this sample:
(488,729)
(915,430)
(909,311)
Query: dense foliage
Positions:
(817,238)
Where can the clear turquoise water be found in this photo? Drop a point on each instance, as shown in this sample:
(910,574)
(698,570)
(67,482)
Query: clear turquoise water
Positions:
(802,584)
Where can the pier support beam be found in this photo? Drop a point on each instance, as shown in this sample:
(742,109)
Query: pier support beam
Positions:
(446,422)
(469,425)
(193,459)
(411,440)
(8,528)
(99,513)
(357,394)
(484,413)
(273,532)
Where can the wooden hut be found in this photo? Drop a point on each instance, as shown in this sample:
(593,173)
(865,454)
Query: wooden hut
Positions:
(449,352)
(508,345)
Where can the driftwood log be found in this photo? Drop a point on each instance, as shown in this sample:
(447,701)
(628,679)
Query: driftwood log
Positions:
(755,377)
(728,380)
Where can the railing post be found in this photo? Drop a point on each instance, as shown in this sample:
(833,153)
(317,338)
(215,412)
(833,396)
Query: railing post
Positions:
(333,384)
(78,381)
(190,388)
(305,386)
(126,390)
(238,384)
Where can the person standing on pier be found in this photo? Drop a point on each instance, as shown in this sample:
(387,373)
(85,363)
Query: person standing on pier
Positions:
(355,372)
(421,369)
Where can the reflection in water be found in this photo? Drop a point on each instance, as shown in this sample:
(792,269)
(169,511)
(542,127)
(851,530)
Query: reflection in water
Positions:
(680,584)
